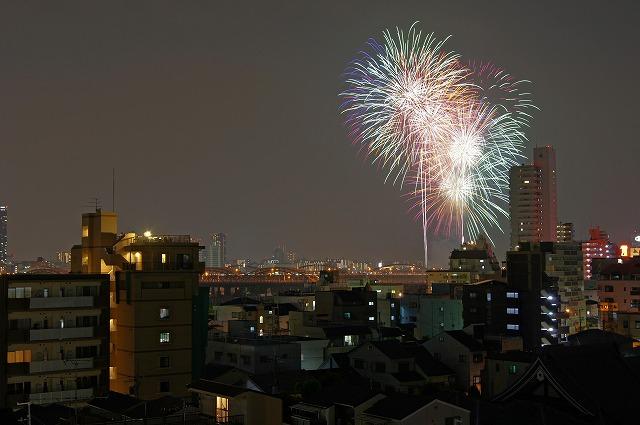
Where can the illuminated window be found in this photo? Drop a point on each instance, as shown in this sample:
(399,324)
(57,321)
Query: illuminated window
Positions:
(113,372)
(513,369)
(348,340)
(261,319)
(164,258)
(512,310)
(164,313)
(85,231)
(21,356)
(513,327)
(512,295)
(222,409)
(165,337)
(370,302)
(371,318)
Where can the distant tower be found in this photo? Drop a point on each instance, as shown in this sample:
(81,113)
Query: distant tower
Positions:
(533,199)
(4,255)
(544,158)
(216,250)
(525,204)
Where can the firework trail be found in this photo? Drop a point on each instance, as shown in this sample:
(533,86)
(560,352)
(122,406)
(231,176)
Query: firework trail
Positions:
(451,130)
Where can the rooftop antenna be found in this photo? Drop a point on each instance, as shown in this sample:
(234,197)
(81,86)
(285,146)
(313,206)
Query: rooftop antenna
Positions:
(113,189)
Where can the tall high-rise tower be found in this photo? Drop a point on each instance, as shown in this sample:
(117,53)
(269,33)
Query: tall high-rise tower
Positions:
(4,255)
(533,199)
(525,204)
(216,250)
(544,158)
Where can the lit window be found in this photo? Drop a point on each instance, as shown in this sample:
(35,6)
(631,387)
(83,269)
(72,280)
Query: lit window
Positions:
(513,327)
(165,337)
(370,302)
(348,340)
(488,296)
(261,319)
(85,231)
(511,310)
(512,295)
(164,258)
(371,318)
(164,313)
(393,317)
(113,372)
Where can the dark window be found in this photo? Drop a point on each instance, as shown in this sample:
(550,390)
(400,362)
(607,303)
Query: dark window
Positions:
(217,355)
(184,261)
(625,324)
(246,360)
(164,361)
(637,324)
(264,359)
(473,295)
(164,387)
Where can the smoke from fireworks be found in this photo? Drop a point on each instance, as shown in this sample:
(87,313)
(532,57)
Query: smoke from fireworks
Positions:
(446,132)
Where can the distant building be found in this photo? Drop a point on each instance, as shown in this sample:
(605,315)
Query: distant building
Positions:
(564,263)
(533,199)
(397,367)
(544,158)
(525,204)
(158,312)
(462,353)
(564,232)
(227,404)
(598,246)
(216,250)
(537,293)
(55,332)
(430,314)
(618,291)
(4,246)
(491,303)
(476,257)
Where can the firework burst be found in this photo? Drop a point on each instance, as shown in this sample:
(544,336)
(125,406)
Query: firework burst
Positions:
(451,129)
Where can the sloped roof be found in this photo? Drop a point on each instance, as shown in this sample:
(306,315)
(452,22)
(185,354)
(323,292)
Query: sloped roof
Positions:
(593,379)
(426,362)
(398,406)
(392,349)
(467,340)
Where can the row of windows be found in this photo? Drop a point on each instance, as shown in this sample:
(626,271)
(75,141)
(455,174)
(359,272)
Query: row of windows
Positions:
(21,356)
(512,310)
(513,327)
(76,291)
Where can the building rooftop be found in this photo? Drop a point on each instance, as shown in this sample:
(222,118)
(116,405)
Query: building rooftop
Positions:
(398,406)
(467,340)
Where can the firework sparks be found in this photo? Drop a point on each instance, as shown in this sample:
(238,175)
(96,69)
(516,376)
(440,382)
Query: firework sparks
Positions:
(452,130)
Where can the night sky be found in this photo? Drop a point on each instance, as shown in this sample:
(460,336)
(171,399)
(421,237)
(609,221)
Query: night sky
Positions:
(223,117)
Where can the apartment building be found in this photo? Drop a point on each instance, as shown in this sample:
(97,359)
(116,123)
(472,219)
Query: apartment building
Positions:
(55,333)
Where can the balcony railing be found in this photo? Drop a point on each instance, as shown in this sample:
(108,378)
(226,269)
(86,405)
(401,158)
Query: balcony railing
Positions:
(61,302)
(60,333)
(60,365)
(61,396)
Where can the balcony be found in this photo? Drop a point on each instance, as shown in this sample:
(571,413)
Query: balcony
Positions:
(61,302)
(60,333)
(61,396)
(17,336)
(60,365)
(17,369)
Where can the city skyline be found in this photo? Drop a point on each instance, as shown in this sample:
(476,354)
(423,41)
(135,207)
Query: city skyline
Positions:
(146,97)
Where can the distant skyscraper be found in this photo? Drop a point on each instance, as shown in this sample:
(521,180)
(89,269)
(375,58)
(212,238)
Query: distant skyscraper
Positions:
(564,232)
(544,158)
(4,254)
(525,204)
(533,199)
(216,250)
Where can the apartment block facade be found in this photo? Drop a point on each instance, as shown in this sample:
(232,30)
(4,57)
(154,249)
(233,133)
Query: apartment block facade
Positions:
(56,338)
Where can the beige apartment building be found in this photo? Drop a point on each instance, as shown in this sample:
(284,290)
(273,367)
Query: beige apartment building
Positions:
(158,319)
(55,333)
